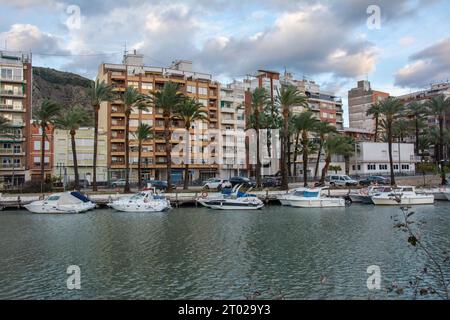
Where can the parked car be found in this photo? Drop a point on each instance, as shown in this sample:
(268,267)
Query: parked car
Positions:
(118,183)
(375,180)
(271,182)
(159,185)
(342,181)
(244,181)
(218,184)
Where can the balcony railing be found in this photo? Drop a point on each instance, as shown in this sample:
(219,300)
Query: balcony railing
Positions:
(11,93)
(8,107)
(9,151)
(10,165)
(13,78)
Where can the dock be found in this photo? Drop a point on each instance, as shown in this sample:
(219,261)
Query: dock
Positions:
(178,199)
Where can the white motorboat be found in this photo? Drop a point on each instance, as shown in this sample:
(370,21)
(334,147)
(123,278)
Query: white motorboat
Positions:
(365,195)
(145,201)
(402,196)
(312,198)
(438,193)
(284,199)
(67,202)
(233,201)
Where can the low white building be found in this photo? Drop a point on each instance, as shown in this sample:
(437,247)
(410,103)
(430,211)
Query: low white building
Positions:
(373,159)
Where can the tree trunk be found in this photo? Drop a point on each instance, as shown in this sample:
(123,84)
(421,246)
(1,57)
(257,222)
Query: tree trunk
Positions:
(42,158)
(75,161)
(94,164)
(284,172)
(417,135)
(305,158)
(289,160)
(377,125)
(325,169)
(316,172)
(297,145)
(187,157)
(167,136)
(127,153)
(139,165)
(391,158)
(258,149)
(441,149)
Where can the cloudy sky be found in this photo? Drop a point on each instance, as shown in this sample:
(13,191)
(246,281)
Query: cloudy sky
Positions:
(325,40)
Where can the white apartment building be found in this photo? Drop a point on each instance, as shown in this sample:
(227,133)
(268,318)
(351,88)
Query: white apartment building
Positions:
(63,158)
(232,125)
(373,159)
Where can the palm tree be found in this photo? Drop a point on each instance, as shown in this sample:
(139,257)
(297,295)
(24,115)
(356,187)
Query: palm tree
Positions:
(189,111)
(168,99)
(322,130)
(335,144)
(143,133)
(100,92)
(375,112)
(260,99)
(306,123)
(416,111)
(390,109)
(439,106)
(287,97)
(72,120)
(45,116)
(131,99)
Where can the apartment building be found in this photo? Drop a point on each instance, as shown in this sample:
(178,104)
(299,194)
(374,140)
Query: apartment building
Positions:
(15,106)
(326,105)
(373,159)
(35,147)
(358,135)
(232,125)
(63,165)
(360,99)
(133,72)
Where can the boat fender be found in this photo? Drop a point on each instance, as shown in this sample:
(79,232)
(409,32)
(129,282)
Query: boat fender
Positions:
(205,195)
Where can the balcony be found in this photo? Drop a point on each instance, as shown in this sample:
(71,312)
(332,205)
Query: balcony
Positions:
(227,110)
(10,166)
(228,121)
(16,79)
(11,151)
(11,93)
(11,108)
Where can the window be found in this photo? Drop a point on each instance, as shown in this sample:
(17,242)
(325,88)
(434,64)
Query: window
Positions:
(395,166)
(203,91)
(203,102)
(383,167)
(191,89)
(405,166)
(133,84)
(147,86)
(371,167)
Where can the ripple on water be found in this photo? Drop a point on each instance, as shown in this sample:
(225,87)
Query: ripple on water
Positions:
(194,253)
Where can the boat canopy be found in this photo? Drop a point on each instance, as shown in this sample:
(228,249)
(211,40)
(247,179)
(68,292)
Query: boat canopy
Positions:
(80,196)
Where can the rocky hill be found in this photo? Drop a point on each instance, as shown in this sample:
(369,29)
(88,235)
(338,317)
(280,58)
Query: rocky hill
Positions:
(65,88)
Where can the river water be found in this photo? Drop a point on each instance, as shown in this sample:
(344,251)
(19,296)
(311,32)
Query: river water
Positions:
(196,253)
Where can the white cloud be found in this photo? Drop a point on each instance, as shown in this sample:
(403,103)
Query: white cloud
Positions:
(427,66)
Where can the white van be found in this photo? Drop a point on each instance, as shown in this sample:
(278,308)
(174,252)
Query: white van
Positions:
(341,181)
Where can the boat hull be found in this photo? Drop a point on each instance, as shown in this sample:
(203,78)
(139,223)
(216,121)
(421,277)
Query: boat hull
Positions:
(41,208)
(144,207)
(365,199)
(318,203)
(447,196)
(391,201)
(232,205)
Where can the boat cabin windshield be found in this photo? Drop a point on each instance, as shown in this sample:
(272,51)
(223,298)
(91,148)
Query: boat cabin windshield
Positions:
(307,194)
(139,195)
(53,198)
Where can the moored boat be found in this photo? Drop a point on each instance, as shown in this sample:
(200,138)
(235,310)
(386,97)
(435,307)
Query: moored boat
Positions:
(67,202)
(402,196)
(365,195)
(145,201)
(235,200)
(312,198)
